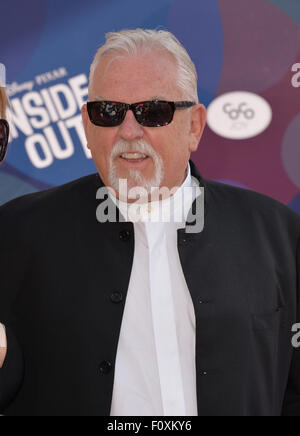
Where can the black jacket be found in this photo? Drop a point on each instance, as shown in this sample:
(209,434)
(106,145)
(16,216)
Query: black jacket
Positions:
(64,280)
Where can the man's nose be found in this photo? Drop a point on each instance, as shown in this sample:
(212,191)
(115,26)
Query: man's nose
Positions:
(130,129)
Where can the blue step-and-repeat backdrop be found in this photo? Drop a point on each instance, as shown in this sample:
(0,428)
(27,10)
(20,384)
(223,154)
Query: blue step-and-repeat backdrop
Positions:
(248,57)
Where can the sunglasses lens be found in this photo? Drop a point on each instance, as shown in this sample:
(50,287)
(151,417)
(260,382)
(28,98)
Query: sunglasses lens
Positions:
(154,113)
(3,138)
(105,113)
(148,113)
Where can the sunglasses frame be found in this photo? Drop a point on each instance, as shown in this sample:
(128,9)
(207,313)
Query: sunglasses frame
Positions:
(134,107)
(3,145)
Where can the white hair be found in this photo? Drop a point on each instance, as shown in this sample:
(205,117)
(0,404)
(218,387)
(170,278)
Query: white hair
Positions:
(131,42)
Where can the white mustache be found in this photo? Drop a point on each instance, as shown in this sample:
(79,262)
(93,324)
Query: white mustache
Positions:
(139,146)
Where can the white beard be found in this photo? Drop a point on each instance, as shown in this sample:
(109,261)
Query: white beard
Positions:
(136,178)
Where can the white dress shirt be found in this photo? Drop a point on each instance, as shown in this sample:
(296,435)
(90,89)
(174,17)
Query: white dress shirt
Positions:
(2,336)
(155,372)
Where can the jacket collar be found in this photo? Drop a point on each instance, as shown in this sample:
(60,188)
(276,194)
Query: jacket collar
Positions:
(183,235)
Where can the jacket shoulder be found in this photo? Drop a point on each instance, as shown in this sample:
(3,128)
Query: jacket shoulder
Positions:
(248,204)
(57,198)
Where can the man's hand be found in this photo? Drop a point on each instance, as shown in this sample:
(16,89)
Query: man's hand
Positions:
(3,345)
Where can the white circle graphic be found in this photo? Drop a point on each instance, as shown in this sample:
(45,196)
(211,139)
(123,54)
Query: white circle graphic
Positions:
(239,115)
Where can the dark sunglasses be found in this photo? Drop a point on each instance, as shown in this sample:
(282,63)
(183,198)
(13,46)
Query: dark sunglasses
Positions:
(4,133)
(148,113)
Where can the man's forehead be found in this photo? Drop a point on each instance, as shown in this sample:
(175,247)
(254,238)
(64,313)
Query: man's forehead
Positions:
(146,75)
(150,64)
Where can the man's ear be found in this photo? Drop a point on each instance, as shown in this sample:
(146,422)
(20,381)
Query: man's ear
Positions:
(198,122)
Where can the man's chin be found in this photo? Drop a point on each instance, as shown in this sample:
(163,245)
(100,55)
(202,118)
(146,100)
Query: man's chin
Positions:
(135,192)
(132,184)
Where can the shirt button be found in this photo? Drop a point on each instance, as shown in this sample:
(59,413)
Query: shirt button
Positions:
(105,367)
(116,297)
(125,235)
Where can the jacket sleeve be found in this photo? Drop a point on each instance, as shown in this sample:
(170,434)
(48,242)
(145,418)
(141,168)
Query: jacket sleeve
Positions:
(291,405)
(12,262)
(12,372)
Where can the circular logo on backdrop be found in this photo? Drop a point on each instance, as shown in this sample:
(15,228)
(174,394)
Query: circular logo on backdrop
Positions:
(239,115)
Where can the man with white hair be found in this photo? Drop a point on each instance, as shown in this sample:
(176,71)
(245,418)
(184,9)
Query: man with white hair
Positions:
(114,302)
